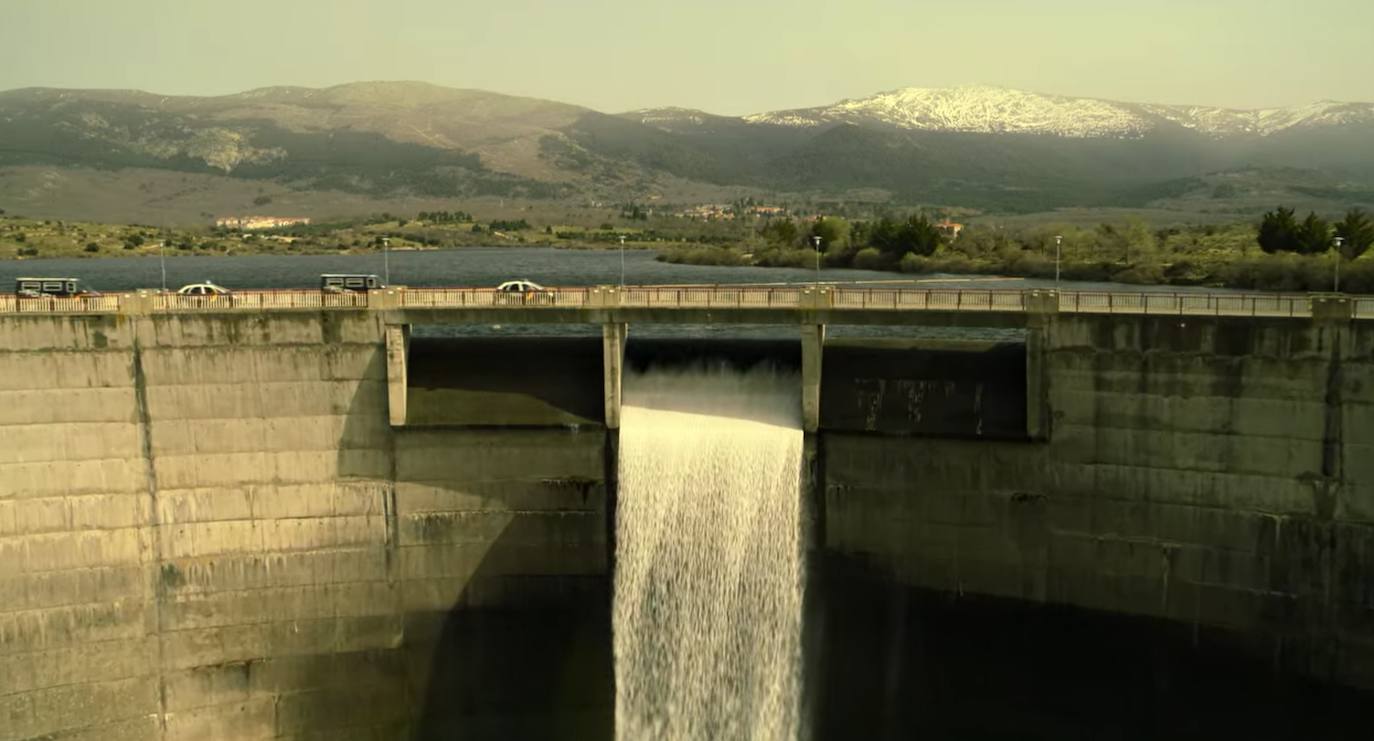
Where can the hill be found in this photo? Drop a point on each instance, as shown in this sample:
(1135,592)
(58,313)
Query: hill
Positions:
(983,148)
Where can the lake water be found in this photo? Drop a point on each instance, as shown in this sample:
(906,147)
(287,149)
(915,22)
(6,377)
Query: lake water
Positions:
(474,266)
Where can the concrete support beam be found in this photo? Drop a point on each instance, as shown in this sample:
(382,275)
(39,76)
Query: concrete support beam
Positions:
(1332,307)
(1042,302)
(1041,308)
(813,347)
(1037,391)
(136,304)
(397,349)
(613,354)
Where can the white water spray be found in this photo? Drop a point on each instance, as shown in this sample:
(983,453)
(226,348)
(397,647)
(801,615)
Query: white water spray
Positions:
(708,579)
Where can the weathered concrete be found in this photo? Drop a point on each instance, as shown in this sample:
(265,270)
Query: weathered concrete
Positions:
(613,363)
(505,382)
(208,529)
(397,351)
(813,347)
(209,526)
(922,387)
(1210,471)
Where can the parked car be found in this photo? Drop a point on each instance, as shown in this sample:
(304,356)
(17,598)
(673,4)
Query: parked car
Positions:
(522,293)
(347,282)
(207,288)
(54,287)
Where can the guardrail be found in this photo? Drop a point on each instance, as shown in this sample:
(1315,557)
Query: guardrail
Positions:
(104,304)
(934,299)
(1194,304)
(463,298)
(696,297)
(259,301)
(711,297)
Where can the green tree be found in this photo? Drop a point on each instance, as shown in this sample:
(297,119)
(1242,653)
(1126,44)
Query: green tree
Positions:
(918,235)
(780,231)
(1357,231)
(1278,231)
(1314,235)
(833,231)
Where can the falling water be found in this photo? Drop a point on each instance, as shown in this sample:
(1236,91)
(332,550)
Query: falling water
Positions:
(708,579)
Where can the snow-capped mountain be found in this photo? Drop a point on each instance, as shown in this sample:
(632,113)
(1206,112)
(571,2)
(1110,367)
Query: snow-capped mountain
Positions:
(670,116)
(995,110)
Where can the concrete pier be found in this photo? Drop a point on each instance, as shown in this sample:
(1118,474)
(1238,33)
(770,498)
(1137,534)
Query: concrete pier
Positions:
(813,350)
(397,351)
(614,335)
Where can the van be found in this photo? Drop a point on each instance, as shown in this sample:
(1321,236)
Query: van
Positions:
(344,282)
(58,287)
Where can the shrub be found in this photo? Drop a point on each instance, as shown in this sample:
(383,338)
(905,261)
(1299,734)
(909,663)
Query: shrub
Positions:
(786,258)
(703,255)
(870,258)
(92,247)
(913,263)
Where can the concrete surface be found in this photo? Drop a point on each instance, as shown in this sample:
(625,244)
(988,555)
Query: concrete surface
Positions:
(209,527)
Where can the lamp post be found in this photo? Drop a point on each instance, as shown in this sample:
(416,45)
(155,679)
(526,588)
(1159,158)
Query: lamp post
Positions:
(1058,240)
(817,240)
(622,262)
(162,260)
(386,260)
(1337,287)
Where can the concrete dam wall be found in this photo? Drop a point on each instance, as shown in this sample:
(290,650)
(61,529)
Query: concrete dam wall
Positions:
(1212,472)
(210,528)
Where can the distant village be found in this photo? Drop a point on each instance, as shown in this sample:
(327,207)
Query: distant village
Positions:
(256,223)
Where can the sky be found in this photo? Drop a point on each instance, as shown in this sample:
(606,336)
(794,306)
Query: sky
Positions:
(724,56)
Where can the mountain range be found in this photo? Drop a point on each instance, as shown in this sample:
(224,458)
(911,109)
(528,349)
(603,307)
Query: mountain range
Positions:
(983,148)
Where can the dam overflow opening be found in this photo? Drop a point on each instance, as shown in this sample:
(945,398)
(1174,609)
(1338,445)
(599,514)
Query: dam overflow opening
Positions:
(708,581)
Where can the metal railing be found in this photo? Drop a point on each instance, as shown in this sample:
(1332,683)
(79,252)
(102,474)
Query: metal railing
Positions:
(479,298)
(259,301)
(1193,304)
(105,304)
(936,299)
(834,298)
(711,297)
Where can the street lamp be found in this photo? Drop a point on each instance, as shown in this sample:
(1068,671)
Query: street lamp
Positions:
(1339,241)
(162,260)
(817,240)
(1058,240)
(386,260)
(622,262)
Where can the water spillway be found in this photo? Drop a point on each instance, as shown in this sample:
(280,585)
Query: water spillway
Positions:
(709,574)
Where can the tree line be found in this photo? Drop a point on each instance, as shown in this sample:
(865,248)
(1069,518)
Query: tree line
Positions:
(1280,231)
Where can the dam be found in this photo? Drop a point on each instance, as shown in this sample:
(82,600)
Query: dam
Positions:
(294,515)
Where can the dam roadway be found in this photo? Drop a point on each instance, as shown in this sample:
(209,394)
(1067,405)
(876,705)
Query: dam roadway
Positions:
(284,514)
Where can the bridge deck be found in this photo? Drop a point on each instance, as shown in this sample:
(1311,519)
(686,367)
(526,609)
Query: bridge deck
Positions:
(690,303)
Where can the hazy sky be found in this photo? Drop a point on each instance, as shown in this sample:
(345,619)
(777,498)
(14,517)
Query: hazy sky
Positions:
(725,56)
